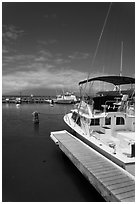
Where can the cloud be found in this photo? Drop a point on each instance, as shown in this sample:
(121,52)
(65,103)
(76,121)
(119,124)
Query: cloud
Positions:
(22,62)
(60,61)
(25,62)
(47,78)
(5,49)
(26,72)
(47,42)
(10,33)
(16,62)
(41,59)
(17,57)
(42,78)
(79,55)
(45,53)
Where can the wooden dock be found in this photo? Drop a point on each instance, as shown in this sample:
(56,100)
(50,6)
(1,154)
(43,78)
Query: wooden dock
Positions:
(111,181)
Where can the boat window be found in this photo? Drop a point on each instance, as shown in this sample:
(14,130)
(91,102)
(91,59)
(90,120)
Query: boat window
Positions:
(78,121)
(74,116)
(95,121)
(120,121)
(108,121)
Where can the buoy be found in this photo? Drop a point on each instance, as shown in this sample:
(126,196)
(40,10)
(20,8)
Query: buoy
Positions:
(51,103)
(35,115)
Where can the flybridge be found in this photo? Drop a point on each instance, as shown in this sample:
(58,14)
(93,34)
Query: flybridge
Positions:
(116,80)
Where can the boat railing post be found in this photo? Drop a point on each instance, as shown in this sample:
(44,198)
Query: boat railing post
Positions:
(68,119)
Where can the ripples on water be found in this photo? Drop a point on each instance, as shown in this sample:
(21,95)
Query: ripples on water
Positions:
(33,167)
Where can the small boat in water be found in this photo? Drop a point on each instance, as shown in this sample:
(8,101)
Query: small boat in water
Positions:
(110,130)
(67,98)
(18,100)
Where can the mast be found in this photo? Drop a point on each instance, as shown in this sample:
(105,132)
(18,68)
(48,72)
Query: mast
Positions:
(103,75)
(121,64)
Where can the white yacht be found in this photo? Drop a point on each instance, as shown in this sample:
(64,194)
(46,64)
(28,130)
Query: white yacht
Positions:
(111,130)
(66,98)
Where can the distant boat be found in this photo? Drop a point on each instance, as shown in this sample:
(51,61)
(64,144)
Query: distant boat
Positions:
(67,98)
(110,131)
(18,100)
(7,100)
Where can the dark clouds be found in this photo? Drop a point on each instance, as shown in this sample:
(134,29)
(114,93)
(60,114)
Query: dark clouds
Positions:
(55,42)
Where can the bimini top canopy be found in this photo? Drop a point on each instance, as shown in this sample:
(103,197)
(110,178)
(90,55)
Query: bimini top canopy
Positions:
(116,80)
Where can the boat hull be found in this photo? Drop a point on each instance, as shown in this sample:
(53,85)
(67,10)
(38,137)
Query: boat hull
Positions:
(64,101)
(130,167)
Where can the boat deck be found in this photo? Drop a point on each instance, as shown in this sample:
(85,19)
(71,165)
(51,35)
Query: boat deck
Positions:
(111,181)
(101,142)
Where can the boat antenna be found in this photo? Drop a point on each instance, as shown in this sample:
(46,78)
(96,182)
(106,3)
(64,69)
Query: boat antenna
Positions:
(121,58)
(103,74)
(94,56)
(121,63)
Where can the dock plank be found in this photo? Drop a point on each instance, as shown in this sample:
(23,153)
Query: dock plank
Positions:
(116,181)
(115,177)
(111,181)
(131,199)
(98,170)
(123,189)
(108,175)
(126,195)
(98,165)
(121,185)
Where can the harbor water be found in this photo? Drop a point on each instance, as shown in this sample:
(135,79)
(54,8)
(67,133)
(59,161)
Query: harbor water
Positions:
(33,168)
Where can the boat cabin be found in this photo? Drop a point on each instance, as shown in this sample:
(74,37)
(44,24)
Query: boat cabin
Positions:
(113,120)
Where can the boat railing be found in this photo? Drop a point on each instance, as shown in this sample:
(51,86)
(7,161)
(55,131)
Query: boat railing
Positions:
(68,119)
(130,107)
(122,106)
(110,105)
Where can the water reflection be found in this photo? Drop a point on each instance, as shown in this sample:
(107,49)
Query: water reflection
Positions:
(17,105)
(7,105)
(35,161)
(36,129)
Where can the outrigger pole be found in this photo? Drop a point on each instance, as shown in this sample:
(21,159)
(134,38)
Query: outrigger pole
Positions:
(94,56)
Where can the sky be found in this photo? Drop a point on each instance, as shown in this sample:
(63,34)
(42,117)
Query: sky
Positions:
(48,47)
